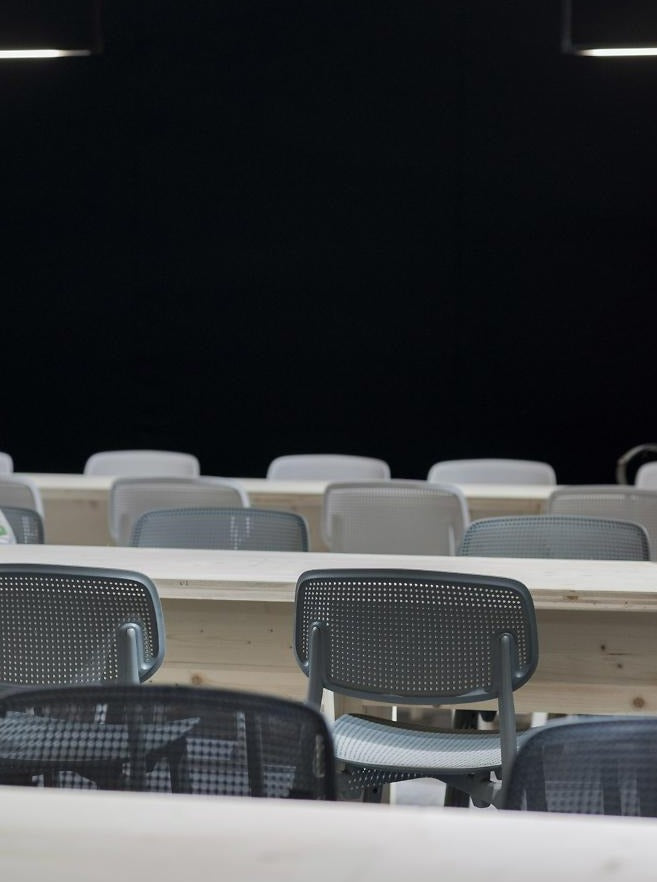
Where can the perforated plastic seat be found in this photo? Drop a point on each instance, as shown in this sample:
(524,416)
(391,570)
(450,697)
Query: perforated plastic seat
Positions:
(409,637)
(6,464)
(77,625)
(590,765)
(492,471)
(20,492)
(627,503)
(556,536)
(131,497)
(26,524)
(230,528)
(143,463)
(328,467)
(166,738)
(393,517)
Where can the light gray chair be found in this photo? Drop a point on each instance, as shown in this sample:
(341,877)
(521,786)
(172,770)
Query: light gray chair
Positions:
(6,464)
(26,524)
(393,517)
(142,463)
(327,466)
(239,529)
(570,537)
(77,625)
(21,492)
(492,471)
(130,497)
(646,476)
(411,637)
(622,502)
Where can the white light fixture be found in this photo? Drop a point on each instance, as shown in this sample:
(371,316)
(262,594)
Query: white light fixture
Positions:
(609,28)
(34,29)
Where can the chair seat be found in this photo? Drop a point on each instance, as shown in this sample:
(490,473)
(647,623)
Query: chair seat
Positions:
(388,746)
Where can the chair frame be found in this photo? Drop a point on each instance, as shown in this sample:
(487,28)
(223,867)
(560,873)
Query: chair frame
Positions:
(327,466)
(319,642)
(174,463)
(522,471)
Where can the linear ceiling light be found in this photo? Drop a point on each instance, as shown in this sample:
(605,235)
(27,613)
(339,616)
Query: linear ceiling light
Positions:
(49,28)
(609,28)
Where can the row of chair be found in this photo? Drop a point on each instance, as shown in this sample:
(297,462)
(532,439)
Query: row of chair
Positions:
(392,636)
(392,516)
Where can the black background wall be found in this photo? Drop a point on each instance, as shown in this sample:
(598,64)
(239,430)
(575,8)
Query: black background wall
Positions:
(407,230)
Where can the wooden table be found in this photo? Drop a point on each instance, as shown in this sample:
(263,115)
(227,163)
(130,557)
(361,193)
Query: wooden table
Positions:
(229,618)
(76,505)
(78,836)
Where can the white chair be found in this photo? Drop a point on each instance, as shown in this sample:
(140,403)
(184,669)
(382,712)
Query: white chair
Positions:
(327,466)
(6,464)
(492,471)
(393,517)
(623,502)
(130,497)
(646,476)
(20,492)
(143,463)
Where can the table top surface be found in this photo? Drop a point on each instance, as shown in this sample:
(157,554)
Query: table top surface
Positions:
(272,575)
(99,837)
(60,482)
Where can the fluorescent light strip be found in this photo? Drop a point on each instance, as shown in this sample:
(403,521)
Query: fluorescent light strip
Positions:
(614,53)
(41,53)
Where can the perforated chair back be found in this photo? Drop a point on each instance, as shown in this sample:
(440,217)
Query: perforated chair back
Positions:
(26,524)
(492,471)
(21,492)
(556,536)
(131,497)
(166,738)
(141,463)
(6,464)
(627,503)
(646,476)
(328,467)
(393,517)
(77,625)
(597,766)
(411,636)
(239,529)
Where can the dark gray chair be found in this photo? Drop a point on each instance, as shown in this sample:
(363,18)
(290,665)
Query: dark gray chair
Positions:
(26,524)
(239,529)
(592,765)
(556,536)
(411,637)
(166,738)
(77,625)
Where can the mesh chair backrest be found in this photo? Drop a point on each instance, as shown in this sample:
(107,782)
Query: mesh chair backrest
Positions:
(60,625)
(131,497)
(26,524)
(590,766)
(6,464)
(411,635)
(166,738)
(140,463)
(393,517)
(328,467)
(558,536)
(609,501)
(21,492)
(238,529)
(492,471)
(646,476)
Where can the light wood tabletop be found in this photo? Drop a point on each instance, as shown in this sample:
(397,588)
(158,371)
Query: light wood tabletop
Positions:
(229,617)
(75,505)
(77,836)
